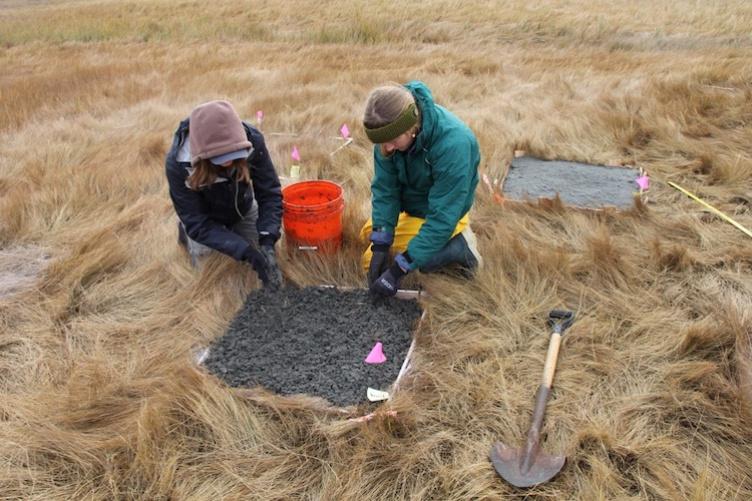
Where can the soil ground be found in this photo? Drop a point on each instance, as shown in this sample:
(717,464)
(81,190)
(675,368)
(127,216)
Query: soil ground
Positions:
(314,340)
(578,184)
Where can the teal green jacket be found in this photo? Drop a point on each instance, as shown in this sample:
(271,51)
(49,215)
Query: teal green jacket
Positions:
(434,180)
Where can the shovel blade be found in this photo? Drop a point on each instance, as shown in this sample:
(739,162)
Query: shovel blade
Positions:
(508,461)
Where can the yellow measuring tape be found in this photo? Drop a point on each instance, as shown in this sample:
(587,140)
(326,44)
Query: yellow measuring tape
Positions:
(711,208)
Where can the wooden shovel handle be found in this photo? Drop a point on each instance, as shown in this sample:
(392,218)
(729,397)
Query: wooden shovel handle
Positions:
(551,357)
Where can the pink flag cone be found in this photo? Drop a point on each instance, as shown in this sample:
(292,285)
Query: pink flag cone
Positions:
(295,154)
(643,182)
(344,131)
(377,355)
(259,116)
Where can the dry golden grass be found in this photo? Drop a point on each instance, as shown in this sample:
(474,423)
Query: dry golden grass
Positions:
(99,397)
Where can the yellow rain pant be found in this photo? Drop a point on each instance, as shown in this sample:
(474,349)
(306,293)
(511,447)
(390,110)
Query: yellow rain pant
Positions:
(407,228)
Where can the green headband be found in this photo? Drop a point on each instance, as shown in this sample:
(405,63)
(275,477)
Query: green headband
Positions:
(400,125)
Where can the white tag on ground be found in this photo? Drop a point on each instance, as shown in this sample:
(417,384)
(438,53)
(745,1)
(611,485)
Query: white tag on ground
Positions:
(376,395)
(200,354)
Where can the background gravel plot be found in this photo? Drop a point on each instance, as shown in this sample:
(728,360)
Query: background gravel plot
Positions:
(581,185)
(313,341)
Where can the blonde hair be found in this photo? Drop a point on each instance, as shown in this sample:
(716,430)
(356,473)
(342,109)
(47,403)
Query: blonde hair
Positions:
(206,172)
(385,104)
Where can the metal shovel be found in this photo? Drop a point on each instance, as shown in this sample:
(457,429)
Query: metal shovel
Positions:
(528,466)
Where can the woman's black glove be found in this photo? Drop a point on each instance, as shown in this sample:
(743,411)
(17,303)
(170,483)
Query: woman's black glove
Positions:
(381,242)
(379,262)
(388,283)
(269,274)
(274,275)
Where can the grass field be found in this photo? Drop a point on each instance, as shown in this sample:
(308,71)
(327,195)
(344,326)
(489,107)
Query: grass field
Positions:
(99,398)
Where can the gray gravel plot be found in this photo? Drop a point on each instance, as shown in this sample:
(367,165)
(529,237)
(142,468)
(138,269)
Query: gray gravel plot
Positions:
(581,185)
(313,341)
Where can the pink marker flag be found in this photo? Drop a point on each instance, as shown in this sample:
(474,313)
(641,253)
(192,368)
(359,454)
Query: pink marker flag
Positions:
(344,131)
(377,355)
(643,182)
(259,116)
(295,154)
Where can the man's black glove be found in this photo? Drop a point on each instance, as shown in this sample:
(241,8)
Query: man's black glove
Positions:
(388,283)
(274,275)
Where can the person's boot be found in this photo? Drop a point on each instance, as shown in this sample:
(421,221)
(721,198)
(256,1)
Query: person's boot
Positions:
(456,253)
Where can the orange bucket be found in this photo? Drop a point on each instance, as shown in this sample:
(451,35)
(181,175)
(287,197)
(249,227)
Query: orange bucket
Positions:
(312,215)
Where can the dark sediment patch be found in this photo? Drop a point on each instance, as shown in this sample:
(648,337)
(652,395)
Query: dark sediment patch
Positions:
(577,184)
(314,341)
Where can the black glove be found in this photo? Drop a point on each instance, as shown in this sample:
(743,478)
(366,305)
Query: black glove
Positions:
(381,241)
(379,260)
(274,275)
(257,260)
(388,283)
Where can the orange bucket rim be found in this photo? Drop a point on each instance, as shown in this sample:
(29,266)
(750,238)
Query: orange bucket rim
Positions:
(295,187)
(312,182)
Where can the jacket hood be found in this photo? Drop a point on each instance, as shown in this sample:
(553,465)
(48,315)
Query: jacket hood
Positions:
(427,107)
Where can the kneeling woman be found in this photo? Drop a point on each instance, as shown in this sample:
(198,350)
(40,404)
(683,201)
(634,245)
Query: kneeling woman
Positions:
(225,190)
(426,170)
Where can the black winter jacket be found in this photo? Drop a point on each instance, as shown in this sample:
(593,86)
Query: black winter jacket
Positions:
(209,212)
